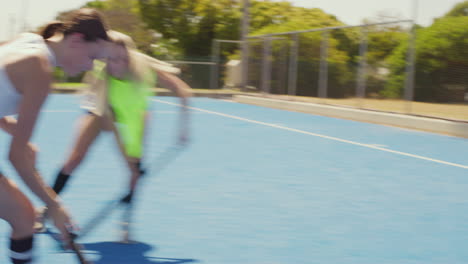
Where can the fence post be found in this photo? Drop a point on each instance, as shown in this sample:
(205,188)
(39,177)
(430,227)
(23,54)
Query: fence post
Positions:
(362,68)
(292,75)
(410,65)
(215,67)
(266,65)
(323,74)
(245,44)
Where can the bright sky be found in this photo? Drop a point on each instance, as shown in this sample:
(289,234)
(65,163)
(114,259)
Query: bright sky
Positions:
(13,14)
(352,12)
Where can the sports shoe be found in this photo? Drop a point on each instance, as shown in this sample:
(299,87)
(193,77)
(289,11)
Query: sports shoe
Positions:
(41,216)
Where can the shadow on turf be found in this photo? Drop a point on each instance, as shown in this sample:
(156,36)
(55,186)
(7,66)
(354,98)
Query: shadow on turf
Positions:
(121,253)
(118,253)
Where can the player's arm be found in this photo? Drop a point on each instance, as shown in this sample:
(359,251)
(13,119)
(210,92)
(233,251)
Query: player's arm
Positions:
(183,91)
(8,124)
(34,89)
(175,84)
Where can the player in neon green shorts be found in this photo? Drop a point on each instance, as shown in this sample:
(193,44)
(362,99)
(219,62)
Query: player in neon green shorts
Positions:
(129,107)
(118,102)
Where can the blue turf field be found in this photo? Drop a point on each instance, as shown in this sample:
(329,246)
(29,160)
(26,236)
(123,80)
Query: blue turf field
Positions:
(265,186)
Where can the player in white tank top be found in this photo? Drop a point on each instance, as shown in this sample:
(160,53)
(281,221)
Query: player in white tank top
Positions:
(27,43)
(26,64)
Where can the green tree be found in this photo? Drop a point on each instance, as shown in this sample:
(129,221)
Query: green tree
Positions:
(441,62)
(194,23)
(460,9)
(294,19)
(124,16)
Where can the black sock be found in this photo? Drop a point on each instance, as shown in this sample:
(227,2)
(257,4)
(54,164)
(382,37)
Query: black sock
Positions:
(127,198)
(141,169)
(60,181)
(21,250)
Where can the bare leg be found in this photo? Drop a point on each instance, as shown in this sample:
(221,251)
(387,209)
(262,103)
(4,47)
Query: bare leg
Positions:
(16,209)
(126,223)
(90,126)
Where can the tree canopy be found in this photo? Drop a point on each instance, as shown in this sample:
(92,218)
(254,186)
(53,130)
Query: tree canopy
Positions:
(174,29)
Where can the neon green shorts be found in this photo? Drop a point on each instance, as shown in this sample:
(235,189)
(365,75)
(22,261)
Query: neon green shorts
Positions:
(131,130)
(129,102)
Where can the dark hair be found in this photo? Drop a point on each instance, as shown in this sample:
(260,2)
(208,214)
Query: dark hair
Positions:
(86,21)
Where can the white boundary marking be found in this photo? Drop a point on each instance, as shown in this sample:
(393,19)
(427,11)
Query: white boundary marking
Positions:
(78,111)
(321,136)
(60,111)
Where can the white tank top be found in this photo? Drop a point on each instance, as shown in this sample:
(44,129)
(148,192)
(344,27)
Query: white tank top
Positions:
(10,98)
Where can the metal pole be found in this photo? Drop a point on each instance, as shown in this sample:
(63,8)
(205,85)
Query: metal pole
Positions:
(245,44)
(214,83)
(292,75)
(410,66)
(323,74)
(362,70)
(283,67)
(266,65)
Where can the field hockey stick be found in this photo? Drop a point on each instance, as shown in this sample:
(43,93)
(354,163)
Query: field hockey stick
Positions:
(77,249)
(99,217)
(160,162)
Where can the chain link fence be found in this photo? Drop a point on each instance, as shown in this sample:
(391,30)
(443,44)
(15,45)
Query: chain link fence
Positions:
(377,66)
